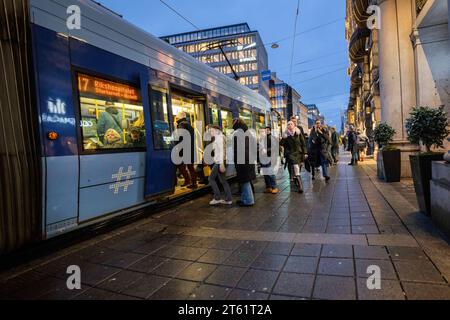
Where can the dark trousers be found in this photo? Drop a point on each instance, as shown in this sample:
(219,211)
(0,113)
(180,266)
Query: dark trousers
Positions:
(189,177)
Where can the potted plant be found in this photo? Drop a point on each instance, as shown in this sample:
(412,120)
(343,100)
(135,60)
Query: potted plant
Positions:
(427,126)
(390,167)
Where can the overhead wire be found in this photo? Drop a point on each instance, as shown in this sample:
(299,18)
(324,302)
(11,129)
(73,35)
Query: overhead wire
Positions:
(294,37)
(179,14)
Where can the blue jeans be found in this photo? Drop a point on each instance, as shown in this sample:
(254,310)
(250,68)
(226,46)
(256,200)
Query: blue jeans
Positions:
(271,181)
(247,194)
(355,156)
(324,164)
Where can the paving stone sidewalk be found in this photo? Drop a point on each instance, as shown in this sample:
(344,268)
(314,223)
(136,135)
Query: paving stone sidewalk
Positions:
(288,246)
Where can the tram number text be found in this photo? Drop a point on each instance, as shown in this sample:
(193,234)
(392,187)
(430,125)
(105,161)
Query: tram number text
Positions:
(246,310)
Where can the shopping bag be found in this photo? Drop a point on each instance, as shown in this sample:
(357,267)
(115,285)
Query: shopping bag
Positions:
(206,171)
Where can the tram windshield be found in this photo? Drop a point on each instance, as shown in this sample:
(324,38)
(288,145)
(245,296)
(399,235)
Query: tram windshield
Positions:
(112,115)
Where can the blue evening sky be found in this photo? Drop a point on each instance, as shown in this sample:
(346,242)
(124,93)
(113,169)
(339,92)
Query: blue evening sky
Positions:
(323,81)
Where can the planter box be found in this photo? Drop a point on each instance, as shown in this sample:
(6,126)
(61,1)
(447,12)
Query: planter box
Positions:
(391,165)
(422,174)
(440,195)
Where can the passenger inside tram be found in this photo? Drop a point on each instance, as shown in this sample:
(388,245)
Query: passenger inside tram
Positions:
(108,120)
(187,112)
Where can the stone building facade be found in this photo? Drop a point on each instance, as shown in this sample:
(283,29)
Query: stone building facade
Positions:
(401,63)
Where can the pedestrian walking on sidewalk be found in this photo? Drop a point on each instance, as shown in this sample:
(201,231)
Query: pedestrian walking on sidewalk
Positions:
(334,145)
(352,145)
(245,172)
(319,140)
(295,149)
(266,151)
(362,141)
(219,169)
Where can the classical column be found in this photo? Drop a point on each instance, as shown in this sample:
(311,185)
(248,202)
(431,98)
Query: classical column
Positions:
(397,71)
(432,53)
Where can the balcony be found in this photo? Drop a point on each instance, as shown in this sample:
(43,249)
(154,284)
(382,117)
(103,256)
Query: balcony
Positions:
(419,5)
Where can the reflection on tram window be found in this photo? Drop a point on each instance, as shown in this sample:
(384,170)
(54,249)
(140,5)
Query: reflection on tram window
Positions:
(227,122)
(260,123)
(162,136)
(213,114)
(247,116)
(111,115)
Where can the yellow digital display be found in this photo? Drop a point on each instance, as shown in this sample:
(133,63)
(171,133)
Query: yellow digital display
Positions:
(105,88)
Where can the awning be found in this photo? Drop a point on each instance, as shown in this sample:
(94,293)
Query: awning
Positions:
(357,46)
(360,12)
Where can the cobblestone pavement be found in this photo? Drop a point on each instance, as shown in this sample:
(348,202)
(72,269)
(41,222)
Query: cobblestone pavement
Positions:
(288,246)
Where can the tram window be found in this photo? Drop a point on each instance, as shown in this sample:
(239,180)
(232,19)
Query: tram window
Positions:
(247,116)
(227,122)
(112,115)
(260,122)
(162,135)
(213,114)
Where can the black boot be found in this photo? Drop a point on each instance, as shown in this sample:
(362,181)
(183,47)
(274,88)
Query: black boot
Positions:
(299,184)
(351,163)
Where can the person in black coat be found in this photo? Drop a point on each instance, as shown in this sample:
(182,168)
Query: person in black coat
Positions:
(246,172)
(352,145)
(319,142)
(187,169)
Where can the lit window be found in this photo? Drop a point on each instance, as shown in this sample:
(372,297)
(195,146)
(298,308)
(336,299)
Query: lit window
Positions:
(112,115)
(213,114)
(160,119)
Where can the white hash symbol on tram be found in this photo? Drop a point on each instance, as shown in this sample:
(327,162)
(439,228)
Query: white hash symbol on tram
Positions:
(120,183)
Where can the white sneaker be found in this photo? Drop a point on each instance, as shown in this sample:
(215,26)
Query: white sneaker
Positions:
(227,203)
(215,202)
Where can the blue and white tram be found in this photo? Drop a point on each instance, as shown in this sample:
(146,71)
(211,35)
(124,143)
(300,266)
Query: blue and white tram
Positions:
(107,96)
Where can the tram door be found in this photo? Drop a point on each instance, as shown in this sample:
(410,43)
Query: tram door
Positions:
(192,108)
(160,169)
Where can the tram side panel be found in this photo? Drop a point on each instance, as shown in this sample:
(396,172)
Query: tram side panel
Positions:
(58,127)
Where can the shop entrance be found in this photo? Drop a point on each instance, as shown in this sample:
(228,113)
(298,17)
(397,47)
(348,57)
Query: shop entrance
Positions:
(191,108)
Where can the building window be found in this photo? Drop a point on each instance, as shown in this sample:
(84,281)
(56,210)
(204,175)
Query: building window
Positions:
(112,115)
(160,119)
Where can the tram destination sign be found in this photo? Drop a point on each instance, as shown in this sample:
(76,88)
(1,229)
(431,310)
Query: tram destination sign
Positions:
(105,88)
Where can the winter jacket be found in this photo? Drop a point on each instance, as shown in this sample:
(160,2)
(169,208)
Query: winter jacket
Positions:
(294,147)
(108,120)
(352,145)
(319,146)
(245,172)
(184,124)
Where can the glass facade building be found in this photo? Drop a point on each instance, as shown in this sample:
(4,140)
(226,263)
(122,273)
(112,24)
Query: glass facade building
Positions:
(243,48)
(314,115)
(286,101)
